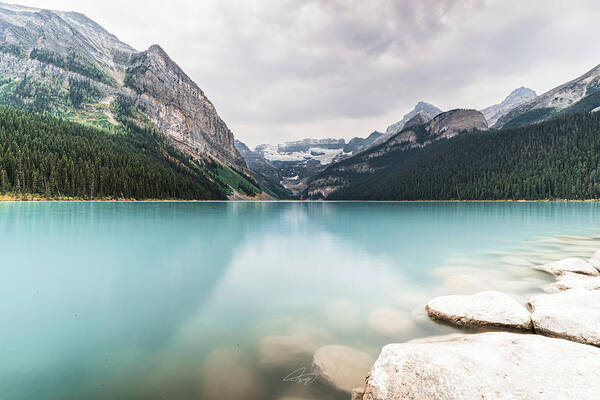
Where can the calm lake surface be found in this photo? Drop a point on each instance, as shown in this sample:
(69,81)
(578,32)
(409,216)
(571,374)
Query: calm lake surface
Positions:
(223,300)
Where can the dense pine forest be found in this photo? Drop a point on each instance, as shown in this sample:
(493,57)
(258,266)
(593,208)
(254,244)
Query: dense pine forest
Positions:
(558,159)
(54,158)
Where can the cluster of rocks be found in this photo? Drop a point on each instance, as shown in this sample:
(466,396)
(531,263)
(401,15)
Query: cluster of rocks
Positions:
(550,350)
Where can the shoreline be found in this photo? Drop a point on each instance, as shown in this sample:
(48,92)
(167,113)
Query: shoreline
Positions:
(29,198)
(520,348)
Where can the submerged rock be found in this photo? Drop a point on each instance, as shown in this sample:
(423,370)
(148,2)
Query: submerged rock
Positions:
(486,366)
(576,265)
(391,323)
(571,280)
(488,309)
(573,314)
(283,350)
(343,367)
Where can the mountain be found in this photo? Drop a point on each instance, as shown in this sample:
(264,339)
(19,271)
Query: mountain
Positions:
(65,64)
(556,159)
(368,163)
(579,95)
(426,110)
(268,176)
(517,97)
(358,144)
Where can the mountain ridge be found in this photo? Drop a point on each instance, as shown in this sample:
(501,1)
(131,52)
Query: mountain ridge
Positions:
(67,64)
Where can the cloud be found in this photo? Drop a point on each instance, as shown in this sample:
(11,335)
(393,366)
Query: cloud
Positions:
(286,69)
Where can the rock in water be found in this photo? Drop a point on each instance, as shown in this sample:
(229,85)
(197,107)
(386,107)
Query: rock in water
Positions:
(278,351)
(570,280)
(573,314)
(343,367)
(495,365)
(488,309)
(576,265)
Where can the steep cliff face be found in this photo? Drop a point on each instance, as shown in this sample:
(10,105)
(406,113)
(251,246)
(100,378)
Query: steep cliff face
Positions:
(179,108)
(66,63)
(444,126)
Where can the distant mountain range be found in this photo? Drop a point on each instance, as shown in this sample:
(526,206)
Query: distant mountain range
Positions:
(288,166)
(293,164)
(66,64)
(417,133)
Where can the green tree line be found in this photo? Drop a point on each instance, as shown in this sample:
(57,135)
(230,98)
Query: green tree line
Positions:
(45,155)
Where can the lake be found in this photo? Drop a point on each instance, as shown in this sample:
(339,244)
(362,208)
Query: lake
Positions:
(170,300)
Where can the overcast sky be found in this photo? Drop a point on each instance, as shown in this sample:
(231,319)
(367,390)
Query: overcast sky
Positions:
(280,70)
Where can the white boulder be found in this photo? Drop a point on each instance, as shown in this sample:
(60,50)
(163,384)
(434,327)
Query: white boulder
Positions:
(573,314)
(595,260)
(496,365)
(576,265)
(570,280)
(487,309)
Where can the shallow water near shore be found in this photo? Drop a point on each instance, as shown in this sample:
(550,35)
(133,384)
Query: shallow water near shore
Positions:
(224,300)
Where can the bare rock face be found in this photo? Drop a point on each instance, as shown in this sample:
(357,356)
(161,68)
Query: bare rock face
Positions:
(343,367)
(488,309)
(576,265)
(180,109)
(573,315)
(450,123)
(494,365)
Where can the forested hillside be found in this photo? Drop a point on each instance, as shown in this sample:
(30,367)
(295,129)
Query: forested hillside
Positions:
(558,159)
(54,158)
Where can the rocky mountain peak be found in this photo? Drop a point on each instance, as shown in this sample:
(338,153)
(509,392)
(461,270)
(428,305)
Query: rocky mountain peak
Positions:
(515,99)
(426,110)
(179,107)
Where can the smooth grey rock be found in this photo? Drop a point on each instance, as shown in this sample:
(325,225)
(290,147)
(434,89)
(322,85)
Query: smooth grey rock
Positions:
(573,314)
(496,365)
(571,280)
(343,367)
(576,265)
(487,309)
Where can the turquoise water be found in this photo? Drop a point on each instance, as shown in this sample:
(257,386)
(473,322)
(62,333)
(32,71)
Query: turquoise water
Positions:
(223,300)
